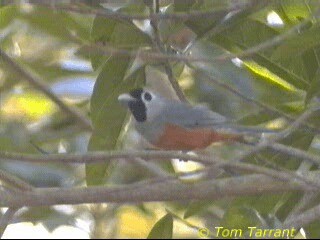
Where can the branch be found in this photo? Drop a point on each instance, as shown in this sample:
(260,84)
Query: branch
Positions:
(143,54)
(295,152)
(255,102)
(303,219)
(182,16)
(20,187)
(161,49)
(15,182)
(6,219)
(98,157)
(95,157)
(278,136)
(148,55)
(305,202)
(174,83)
(173,190)
(41,86)
(272,42)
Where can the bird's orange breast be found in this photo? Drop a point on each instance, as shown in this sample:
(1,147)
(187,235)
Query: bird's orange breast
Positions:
(179,138)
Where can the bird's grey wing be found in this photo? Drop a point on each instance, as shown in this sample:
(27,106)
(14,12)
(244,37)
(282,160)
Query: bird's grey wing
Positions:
(200,116)
(190,116)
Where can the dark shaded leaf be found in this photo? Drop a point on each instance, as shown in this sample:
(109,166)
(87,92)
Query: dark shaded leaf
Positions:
(106,113)
(162,229)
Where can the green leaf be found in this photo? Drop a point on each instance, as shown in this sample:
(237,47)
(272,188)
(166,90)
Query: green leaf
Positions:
(68,26)
(48,216)
(101,31)
(106,113)
(37,214)
(108,31)
(7,14)
(296,45)
(226,73)
(314,89)
(162,229)
(196,207)
(181,6)
(241,215)
(243,37)
(312,230)
(295,10)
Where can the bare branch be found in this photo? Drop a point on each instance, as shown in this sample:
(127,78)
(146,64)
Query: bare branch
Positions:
(19,187)
(278,136)
(182,16)
(294,152)
(271,42)
(96,157)
(303,219)
(174,82)
(41,86)
(150,55)
(257,103)
(173,190)
(143,54)
(14,181)
(6,219)
(161,49)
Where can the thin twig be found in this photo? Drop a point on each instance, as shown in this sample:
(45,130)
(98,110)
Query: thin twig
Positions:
(146,54)
(6,219)
(228,21)
(151,167)
(98,157)
(294,152)
(182,16)
(19,187)
(14,181)
(306,200)
(149,55)
(185,16)
(278,136)
(303,219)
(271,42)
(190,225)
(161,49)
(255,102)
(94,157)
(41,86)
(174,83)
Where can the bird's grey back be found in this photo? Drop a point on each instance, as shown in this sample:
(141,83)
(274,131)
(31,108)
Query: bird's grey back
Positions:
(185,115)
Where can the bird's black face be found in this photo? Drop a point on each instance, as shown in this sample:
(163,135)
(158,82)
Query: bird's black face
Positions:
(136,101)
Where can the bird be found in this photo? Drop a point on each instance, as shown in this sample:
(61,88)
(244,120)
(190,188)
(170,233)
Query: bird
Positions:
(169,124)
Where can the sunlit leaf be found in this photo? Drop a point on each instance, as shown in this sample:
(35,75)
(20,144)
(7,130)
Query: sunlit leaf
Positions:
(29,106)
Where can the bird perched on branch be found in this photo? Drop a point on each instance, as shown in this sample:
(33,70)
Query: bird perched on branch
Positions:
(174,125)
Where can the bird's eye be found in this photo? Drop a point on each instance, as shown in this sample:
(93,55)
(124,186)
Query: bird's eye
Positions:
(147,96)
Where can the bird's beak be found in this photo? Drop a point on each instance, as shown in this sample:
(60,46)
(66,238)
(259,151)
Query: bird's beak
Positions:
(125,99)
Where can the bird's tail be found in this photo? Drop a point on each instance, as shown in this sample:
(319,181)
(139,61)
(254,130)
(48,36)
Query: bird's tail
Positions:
(240,129)
(246,134)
